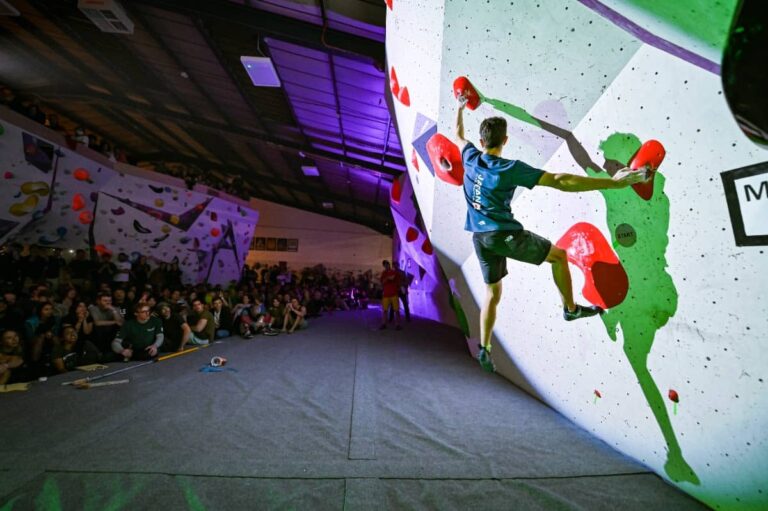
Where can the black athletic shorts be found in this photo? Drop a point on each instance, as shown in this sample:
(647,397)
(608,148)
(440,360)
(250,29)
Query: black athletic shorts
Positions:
(494,247)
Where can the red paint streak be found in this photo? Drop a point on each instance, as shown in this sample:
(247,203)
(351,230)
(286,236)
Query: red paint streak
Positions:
(414,159)
(673,396)
(605,281)
(651,154)
(446,159)
(462,86)
(400,93)
(411,235)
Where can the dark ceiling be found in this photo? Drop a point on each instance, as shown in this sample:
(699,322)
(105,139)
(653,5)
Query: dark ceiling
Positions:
(175,91)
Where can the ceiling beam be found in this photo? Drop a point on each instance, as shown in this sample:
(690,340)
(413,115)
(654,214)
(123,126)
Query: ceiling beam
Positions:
(266,23)
(227,131)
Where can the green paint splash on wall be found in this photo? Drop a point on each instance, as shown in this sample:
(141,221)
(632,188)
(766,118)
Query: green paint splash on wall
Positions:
(652,296)
(460,316)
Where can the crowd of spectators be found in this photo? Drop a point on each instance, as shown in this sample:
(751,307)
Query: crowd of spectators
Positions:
(58,314)
(85,137)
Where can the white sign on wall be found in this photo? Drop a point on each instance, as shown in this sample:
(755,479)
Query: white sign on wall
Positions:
(746,190)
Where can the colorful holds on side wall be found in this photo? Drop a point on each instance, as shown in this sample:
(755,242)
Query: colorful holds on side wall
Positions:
(82,174)
(78,202)
(605,280)
(85,217)
(25,207)
(462,86)
(650,155)
(35,187)
(446,159)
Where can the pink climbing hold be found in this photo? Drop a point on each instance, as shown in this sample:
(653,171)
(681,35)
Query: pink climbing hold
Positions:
(605,280)
(650,155)
(81,174)
(411,235)
(463,87)
(8,175)
(446,159)
(78,202)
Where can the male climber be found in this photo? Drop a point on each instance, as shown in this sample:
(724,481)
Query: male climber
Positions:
(489,185)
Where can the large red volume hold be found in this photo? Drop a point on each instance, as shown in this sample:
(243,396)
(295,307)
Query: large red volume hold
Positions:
(446,159)
(650,154)
(462,86)
(605,280)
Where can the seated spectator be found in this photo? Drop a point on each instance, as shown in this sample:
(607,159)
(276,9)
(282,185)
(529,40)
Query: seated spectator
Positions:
(276,314)
(53,123)
(139,338)
(175,329)
(11,315)
(222,318)
(66,356)
(294,316)
(107,320)
(80,319)
(11,357)
(202,324)
(41,333)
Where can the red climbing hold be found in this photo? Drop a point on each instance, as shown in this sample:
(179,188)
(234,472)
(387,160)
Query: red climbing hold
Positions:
(389,4)
(462,86)
(673,396)
(86,217)
(81,174)
(102,249)
(394,85)
(215,232)
(411,235)
(597,393)
(404,97)
(605,281)
(446,159)
(396,191)
(414,160)
(78,202)
(650,154)
(426,247)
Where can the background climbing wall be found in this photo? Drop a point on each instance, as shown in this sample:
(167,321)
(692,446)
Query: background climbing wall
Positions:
(56,197)
(27,165)
(675,373)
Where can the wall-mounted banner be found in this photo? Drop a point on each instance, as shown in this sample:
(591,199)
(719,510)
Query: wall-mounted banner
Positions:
(746,190)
